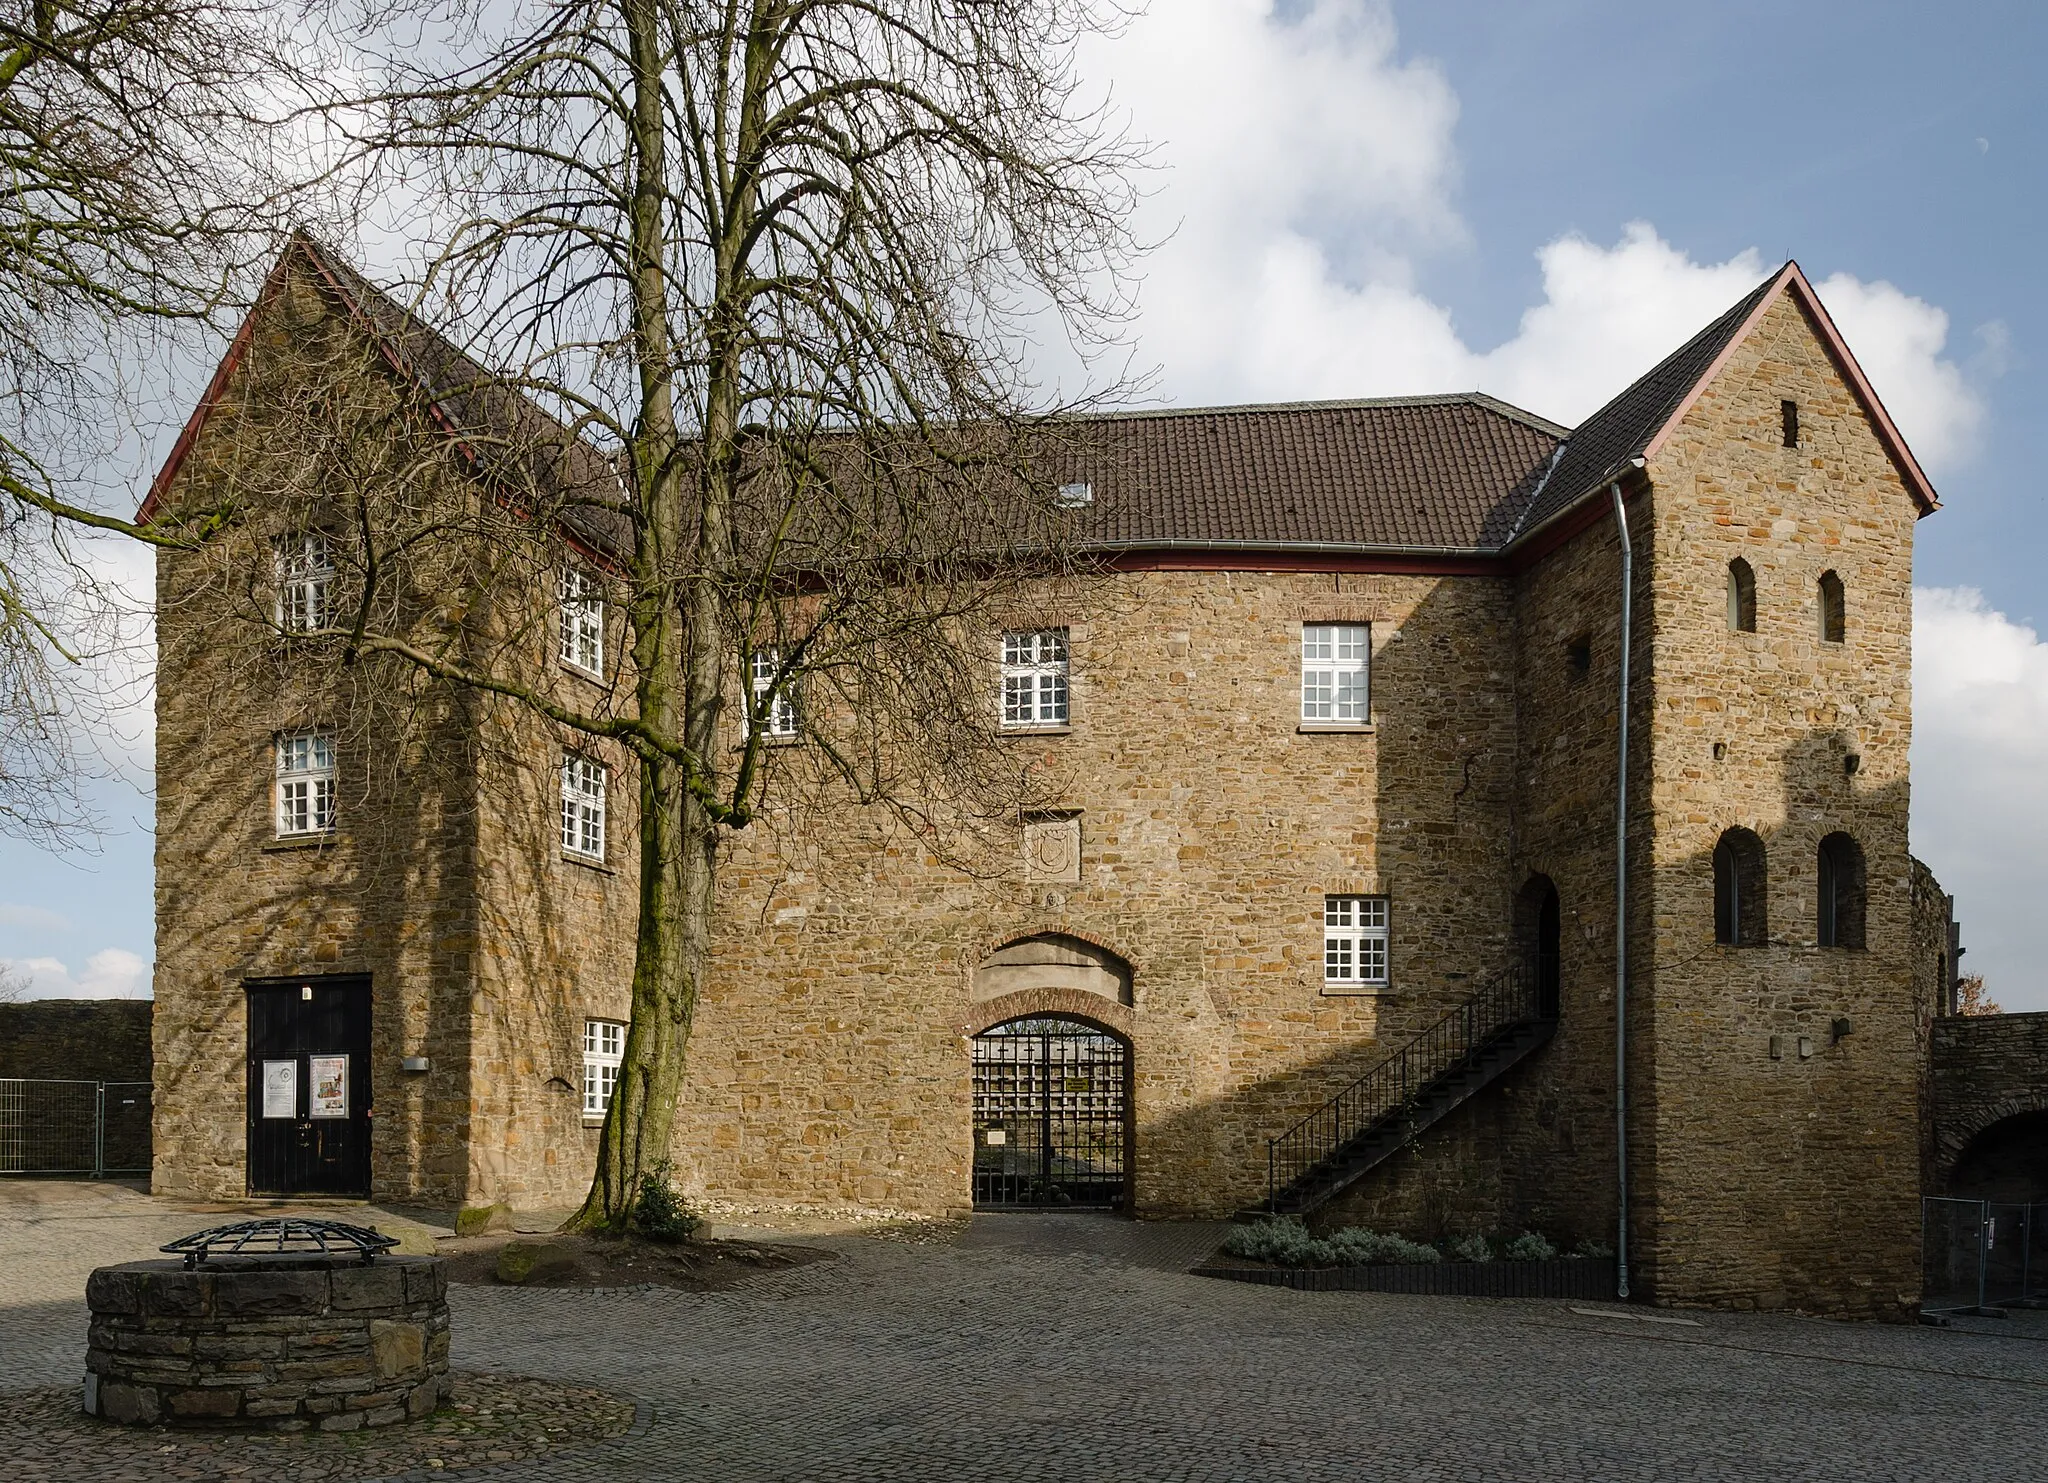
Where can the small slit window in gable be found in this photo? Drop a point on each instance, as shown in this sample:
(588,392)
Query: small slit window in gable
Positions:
(1834,610)
(1788,416)
(1578,654)
(1741,597)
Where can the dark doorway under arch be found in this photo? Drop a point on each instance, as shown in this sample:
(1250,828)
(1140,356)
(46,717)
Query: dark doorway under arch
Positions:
(1538,935)
(1051,1116)
(2007,1161)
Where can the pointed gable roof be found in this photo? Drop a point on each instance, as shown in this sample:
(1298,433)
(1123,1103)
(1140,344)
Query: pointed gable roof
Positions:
(499,431)
(1638,422)
(1460,475)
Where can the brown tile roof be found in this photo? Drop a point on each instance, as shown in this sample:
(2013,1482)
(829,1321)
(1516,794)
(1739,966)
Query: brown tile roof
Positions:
(506,433)
(1438,473)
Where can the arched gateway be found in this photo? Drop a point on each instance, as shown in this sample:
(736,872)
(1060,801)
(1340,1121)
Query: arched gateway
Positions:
(1051,1115)
(1052,1077)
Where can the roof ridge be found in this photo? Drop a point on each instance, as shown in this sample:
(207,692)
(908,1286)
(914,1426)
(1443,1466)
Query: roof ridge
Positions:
(1480,399)
(1620,431)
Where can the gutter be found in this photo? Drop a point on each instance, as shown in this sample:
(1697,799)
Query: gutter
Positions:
(1621,901)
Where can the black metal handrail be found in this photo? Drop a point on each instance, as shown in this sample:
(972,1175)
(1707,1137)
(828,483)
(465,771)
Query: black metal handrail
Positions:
(1511,999)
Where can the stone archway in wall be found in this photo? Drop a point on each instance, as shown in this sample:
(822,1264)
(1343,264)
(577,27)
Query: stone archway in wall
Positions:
(2001,1154)
(1049,1038)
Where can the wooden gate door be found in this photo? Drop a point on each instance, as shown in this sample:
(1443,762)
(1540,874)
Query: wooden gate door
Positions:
(309,1087)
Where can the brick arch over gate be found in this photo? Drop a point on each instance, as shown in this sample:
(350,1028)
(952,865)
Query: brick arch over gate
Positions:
(1054,970)
(1073,1004)
(1986,1068)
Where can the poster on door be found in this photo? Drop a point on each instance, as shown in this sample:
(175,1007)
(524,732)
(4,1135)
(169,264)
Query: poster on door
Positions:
(280,1088)
(330,1086)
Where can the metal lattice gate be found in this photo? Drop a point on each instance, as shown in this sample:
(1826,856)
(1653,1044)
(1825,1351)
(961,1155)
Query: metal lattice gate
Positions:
(74,1127)
(1051,1116)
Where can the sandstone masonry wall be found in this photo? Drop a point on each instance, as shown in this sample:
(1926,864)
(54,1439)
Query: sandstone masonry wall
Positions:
(1790,1179)
(389,893)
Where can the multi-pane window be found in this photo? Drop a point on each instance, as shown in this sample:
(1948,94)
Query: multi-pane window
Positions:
(1035,678)
(1355,939)
(305,783)
(780,718)
(305,582)
(582,611)
(1335,659)
(604,1047)
(583,806)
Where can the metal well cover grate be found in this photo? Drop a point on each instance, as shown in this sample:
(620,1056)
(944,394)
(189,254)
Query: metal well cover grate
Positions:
(286,1236)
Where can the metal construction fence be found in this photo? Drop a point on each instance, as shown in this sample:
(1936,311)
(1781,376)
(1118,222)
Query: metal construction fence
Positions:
(94,1128)
(1983,1254)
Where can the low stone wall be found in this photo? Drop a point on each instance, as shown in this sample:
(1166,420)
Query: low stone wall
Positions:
(276,1345)
(76,1040)
(1986,1068)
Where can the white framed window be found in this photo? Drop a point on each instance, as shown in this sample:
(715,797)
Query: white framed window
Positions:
(1035,678)
(305,582)
(305,783)
(1335,661)
(583,806)
(604,1048)
(582,610)
(780,721)
(1355,940)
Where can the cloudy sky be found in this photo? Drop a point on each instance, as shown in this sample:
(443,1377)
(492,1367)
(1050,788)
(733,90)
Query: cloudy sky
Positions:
(1539,198)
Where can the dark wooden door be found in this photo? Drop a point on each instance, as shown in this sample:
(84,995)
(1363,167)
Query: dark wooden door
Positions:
(309,1087)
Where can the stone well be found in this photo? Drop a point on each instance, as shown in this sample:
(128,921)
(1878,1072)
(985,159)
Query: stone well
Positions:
(280,1344)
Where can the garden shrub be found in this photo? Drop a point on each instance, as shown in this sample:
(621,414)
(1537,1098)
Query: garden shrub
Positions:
(1529,1247)
(1471,1249)
(1286,1242)
(661,1213)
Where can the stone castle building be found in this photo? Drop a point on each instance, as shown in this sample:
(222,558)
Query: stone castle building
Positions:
(1340,751)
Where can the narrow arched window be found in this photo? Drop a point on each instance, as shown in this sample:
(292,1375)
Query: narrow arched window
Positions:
(1740,915)
(1841,892)
(1834,615)
(1741,597)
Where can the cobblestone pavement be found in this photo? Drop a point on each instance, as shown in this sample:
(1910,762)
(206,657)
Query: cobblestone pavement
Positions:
(1065,1348)
(45,1438)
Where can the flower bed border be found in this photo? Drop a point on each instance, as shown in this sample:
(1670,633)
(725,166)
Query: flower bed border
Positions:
(1589,1277)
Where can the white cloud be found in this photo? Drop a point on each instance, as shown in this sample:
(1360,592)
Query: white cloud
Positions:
(111,973)
(1980,796)
(1898,340)
(1307,166)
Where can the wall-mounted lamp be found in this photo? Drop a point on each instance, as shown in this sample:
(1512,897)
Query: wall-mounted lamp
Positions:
(1851,764)
(416,1064)
(1840,1028)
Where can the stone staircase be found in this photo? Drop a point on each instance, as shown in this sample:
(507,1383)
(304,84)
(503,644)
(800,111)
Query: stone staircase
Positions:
(1397,1100)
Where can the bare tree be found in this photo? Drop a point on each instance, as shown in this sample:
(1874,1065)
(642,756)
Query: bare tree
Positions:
(133,195)
(776,259)
(14,984)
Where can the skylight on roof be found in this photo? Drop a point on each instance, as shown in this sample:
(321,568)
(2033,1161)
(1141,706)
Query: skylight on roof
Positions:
(1074,496)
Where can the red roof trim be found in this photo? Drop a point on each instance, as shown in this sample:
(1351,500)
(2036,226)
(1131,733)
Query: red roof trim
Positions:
(1793,278)
(215,390)
(238,348)
(1366,563)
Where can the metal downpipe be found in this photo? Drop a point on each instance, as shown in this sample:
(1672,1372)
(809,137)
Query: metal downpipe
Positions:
(1621,904)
